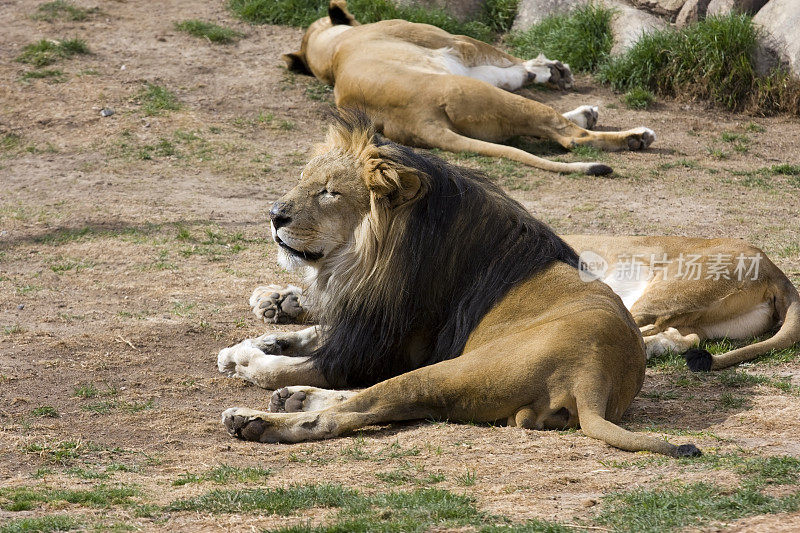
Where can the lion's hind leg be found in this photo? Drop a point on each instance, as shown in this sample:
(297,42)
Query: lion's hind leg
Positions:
(302,398)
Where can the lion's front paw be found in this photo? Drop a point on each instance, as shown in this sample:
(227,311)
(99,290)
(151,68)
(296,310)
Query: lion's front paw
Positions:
(235,361)
(276,304)
(585,116)
(287,401)
(246,424)
(640,138)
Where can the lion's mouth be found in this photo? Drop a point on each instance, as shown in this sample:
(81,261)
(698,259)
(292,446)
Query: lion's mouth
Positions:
(308,256)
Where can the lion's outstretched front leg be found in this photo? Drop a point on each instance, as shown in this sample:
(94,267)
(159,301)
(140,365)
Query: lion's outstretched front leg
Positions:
(273,361)
(278,305)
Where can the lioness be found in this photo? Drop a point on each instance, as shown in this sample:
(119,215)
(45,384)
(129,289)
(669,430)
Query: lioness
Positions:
(425,87)
(431,273)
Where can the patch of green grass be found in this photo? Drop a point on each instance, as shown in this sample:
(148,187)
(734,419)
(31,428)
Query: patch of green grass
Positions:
(13,329)
(10,141)
(208,30)
(499,15)
(86,390)
(582,38)
(684,163)
(731,401)
(66,451)
(638,98)
(679,505)
(717,153)
(584,151)
(754,127)
(27,498)
(738,378)
(785,169)
(46,52)
(107,406)
(281,501)
(467,479)
(321,92)
(51,74)
(83,473)
(304,12)
(41,524)
(61,9)
(155,99)
(225,474)
(45,411)
(710,60)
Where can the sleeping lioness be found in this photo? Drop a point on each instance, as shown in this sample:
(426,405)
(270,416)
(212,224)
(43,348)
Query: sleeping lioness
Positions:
(444,294)
(425,87)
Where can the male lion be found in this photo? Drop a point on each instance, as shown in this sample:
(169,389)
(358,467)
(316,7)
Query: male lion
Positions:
(430,273)
(425,87)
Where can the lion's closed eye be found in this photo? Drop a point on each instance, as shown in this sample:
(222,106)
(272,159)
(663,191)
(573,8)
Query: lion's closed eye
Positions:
(327,194)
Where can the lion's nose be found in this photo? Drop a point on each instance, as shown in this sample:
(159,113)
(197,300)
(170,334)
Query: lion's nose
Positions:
(278,215)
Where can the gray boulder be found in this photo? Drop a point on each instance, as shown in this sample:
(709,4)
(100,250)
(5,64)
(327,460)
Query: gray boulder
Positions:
(627,25)
(692,11)
(723,7)
(780,22)
(665,8)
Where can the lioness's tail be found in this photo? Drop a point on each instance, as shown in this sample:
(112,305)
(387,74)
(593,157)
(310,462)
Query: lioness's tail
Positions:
(594,424)
(452,141)
(787,307)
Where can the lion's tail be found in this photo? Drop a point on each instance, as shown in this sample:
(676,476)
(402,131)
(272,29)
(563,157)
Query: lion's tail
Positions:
(594,424)
(452,141)
(787,304)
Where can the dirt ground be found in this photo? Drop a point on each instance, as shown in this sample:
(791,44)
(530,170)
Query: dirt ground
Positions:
(129,245)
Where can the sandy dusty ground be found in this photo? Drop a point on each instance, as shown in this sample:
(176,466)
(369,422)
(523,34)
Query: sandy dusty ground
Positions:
(129,245)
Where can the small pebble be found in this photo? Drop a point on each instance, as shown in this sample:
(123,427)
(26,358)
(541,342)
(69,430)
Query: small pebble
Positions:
(591,502)
(21,307)
(106,112)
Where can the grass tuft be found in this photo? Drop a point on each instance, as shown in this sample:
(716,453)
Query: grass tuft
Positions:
(27,498)
(46,52)
(61,9)
(710,60)
(225,474)
(41,524)
(54,74)
(304,12)
(582,38)
(156,99)
(45,411)
(208,30)
(638,98)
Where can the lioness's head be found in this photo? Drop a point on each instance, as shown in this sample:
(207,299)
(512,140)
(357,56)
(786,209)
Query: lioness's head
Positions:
(347,195)
(304,60)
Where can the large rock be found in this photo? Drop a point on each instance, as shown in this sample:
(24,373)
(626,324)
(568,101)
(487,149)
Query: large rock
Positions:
(627,25)
(723,7)
(780,21)
(664,8)
(692,11)
(460,9)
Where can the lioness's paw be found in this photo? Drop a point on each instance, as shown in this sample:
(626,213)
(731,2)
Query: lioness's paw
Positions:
(560,74)
(585,116)
(543,70)
(276,304)
(640,138)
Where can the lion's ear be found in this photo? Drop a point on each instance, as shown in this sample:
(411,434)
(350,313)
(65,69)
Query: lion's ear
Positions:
(338,13)
(295,62)
(397,183)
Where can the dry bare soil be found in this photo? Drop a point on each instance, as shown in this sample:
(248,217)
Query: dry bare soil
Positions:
(130,243)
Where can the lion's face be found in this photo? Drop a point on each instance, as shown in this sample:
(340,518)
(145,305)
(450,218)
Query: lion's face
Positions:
(321,213)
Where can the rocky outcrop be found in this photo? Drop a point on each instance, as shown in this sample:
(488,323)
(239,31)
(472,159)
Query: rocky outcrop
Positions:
(780,21)
(723,7)
(627,25)
(460,9)
(692,11)
(665,8)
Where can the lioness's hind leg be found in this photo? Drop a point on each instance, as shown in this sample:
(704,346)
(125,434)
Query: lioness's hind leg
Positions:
(670,340)
(302,398)
(276,304)
(584,116)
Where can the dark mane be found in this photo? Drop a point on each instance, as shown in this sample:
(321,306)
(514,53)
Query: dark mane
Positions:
(462,247)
